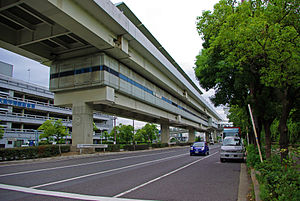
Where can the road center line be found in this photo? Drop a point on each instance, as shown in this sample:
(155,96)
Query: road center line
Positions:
(77,165)
(74,196)
(165,175)
(106,171)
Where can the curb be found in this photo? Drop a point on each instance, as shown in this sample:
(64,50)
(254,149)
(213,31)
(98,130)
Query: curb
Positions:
(255,184)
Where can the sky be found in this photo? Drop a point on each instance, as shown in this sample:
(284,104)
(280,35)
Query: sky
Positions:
(171,22)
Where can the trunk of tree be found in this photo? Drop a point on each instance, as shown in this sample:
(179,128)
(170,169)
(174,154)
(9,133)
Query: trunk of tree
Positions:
(258,127)
(267,125)
(283,129)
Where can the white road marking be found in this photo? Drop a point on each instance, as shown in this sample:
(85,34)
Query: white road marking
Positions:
(77,165)
(60,194)
(106,171)
(165,175)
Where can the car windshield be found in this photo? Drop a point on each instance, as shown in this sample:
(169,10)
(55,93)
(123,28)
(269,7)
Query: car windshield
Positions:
(199,144)
(232,142)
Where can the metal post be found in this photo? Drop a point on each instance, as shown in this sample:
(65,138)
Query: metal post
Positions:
(36,138)
(261,160)
(115,122)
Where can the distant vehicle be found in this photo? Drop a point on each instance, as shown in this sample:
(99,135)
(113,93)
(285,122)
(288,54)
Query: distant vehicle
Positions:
(199,148)
(231,131)
(232,148)
(211,142)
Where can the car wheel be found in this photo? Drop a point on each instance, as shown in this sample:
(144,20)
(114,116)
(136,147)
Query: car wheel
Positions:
(208,153)
(191,154)
(222,160)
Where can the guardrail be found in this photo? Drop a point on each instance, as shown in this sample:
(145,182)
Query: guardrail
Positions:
(86,146)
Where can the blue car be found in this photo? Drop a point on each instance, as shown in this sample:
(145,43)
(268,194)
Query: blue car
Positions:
(199,148)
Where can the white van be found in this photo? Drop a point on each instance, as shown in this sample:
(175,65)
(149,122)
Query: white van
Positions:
(232,148)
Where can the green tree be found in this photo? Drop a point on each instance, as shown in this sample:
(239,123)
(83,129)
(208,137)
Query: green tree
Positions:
(1,132)
(148,133)
(251,55)
(53,129)
(124,133)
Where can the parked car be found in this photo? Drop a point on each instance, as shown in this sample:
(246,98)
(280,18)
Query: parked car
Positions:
(199,148)
(232,148)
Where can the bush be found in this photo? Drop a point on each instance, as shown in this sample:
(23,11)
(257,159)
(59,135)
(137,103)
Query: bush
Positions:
(129,147)
(113,147)
(21,153)
(159,145)
(278,181)
(253,158)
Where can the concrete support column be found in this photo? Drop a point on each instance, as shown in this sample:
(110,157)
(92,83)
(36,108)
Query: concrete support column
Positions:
(82,124)
(191,135)
(214,135)
(207,137)
(22,127)
(165,133)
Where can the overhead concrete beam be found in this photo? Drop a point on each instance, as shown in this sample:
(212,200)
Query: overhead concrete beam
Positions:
(96,96)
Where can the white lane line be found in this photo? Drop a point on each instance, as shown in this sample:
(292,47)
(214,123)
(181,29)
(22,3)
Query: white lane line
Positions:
(165,175)
(73,196)
(106,171)
(77,165)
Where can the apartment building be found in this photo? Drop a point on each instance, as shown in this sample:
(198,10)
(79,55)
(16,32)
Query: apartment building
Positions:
(25,106)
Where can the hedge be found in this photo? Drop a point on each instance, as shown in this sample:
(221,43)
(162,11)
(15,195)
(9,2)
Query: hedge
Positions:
(21,153)
(130,147)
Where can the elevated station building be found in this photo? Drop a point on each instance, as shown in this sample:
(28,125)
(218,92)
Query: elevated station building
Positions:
(25,106)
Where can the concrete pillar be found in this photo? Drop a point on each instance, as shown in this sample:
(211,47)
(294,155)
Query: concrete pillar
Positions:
(207,136)
(82,124)
(22,127)
(214,136)
(191,135)
(165,133)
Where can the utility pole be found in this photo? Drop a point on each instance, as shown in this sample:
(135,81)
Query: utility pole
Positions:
(115,122)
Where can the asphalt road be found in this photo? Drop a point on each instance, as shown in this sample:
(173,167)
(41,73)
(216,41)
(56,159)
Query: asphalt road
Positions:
(169,174)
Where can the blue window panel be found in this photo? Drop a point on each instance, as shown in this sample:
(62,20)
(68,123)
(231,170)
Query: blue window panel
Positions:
(131,81)
(123,77)
(32,106)
(4,101)
(23,104)
(20,104)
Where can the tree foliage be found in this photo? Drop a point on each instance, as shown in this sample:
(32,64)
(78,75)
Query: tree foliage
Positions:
(53,130)
(124,134)
(251,55)
(148,133)
(1,132)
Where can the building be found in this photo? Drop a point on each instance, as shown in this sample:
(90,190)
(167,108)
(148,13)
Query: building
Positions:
(25,106)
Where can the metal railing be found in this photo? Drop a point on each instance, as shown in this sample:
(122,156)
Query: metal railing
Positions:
(30,116)
(48,105)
